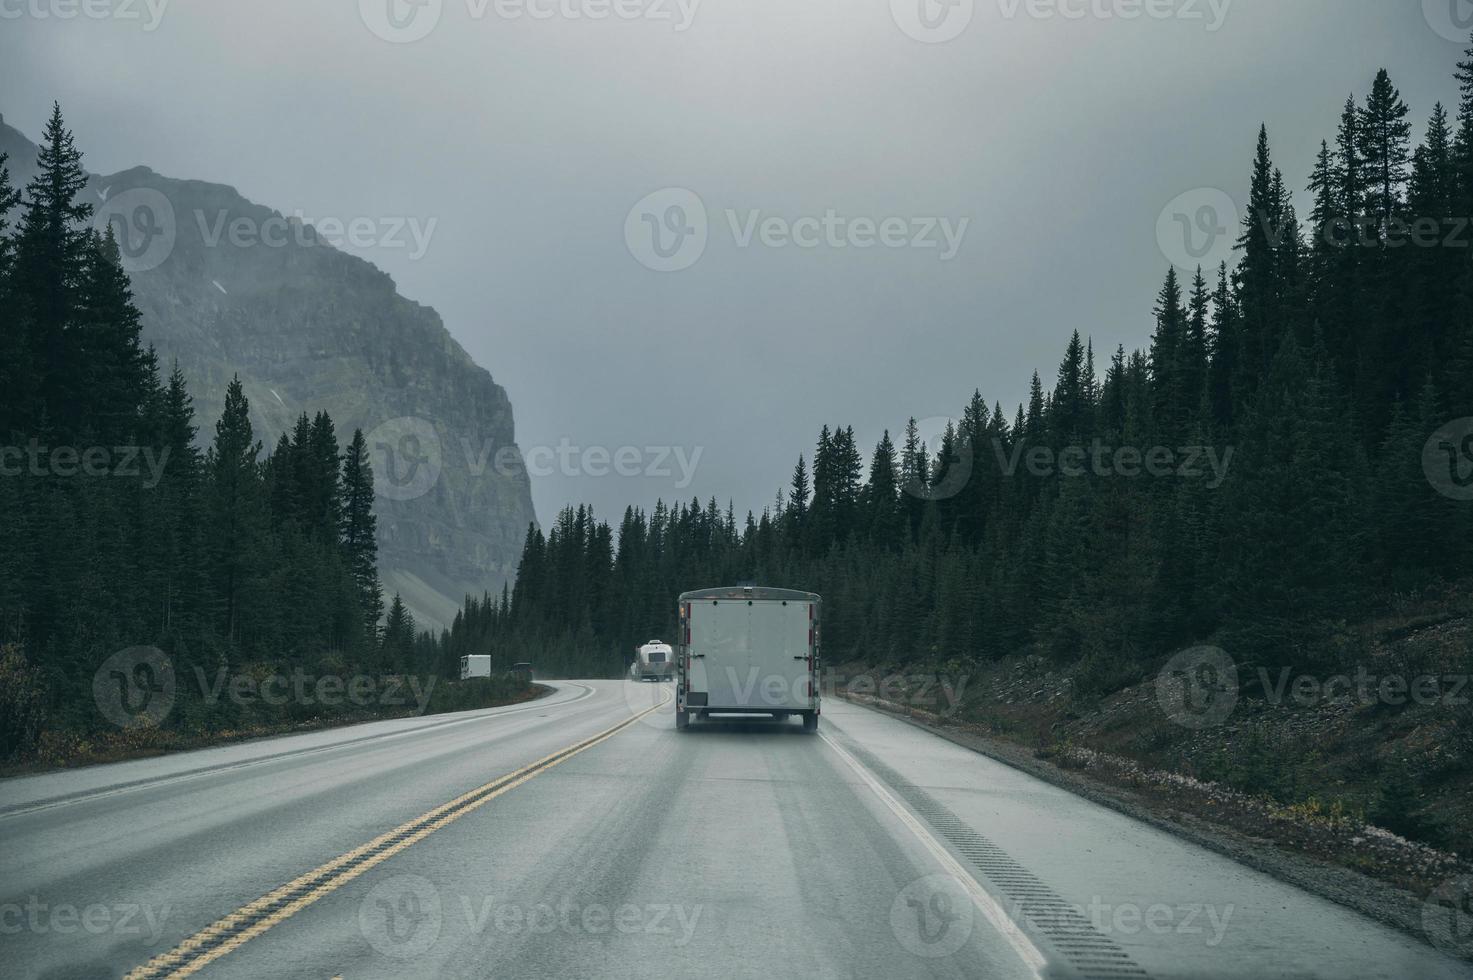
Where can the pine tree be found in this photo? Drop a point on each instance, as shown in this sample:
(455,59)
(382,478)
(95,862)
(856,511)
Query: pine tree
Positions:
(105,340)
(9,199)
(1331,257)
(1222,371)
(915,479)
(1193,356)
(1071,414)
(821,526)
(1291,270)
(1432,273)
(177,499)
(527,595)
(1035,426)
(1463,140)
(796,512)
(1384,144)
(884,519)
(1257,272)
(236,509)
(359,531)
(324,487)
(397,650)
(848,474)
(51,261)
(17,369)
(1168,358)
(1351,167)
(1327,217)
(975,443)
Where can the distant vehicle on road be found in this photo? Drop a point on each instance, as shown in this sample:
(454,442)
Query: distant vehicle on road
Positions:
(750,651)
(653,661)
(475,665)
(523,670)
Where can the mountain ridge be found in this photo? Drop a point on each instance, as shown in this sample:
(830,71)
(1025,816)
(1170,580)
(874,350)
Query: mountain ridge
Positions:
(308,327)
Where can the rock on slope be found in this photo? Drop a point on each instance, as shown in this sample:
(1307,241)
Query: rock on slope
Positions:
(309,327)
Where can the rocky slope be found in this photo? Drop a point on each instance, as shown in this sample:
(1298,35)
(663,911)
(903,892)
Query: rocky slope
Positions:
(229,287)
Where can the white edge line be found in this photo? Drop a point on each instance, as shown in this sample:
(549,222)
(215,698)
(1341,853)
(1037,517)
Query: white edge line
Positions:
(994,912)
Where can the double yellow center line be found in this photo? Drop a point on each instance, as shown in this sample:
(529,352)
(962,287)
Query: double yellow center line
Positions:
(249,921)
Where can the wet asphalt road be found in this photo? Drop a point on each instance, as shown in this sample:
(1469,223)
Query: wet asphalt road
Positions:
(739,848)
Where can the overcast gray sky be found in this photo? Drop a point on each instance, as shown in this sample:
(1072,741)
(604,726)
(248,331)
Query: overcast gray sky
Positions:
(527,131)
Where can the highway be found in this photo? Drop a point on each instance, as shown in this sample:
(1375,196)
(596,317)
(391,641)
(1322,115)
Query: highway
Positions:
(581,835)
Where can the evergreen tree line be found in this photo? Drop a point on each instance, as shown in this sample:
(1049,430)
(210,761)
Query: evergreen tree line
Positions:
(117,531)
(1324,358)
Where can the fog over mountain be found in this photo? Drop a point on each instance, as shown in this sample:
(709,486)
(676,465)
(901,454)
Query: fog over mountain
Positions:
(520,147)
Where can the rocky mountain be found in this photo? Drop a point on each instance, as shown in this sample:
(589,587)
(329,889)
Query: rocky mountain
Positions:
(227,287)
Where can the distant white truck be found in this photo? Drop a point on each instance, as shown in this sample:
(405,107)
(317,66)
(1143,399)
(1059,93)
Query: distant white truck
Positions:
(475,665)
(750,651)
(653,661)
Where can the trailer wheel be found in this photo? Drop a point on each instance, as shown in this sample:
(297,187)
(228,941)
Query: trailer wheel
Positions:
(810,721)
(682,719)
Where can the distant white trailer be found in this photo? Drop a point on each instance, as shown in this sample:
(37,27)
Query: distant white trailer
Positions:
(653,661)
(750,651)
(475,665)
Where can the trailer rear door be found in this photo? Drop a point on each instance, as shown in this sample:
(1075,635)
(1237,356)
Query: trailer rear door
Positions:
(779,653)
(720,650)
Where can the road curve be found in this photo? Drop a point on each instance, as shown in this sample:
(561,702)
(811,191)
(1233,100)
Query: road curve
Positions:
(579,836)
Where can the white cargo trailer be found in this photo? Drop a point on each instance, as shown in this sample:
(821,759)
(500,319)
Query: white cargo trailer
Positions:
(475,665)
(750,651)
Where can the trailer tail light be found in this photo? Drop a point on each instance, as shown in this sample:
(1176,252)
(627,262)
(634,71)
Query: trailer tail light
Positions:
(685,621)
(812,651)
